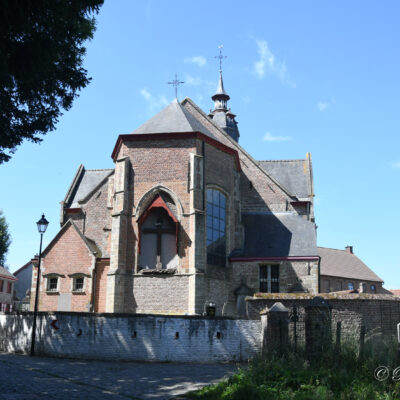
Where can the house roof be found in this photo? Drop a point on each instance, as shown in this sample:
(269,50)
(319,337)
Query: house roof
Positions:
(91,245)
(84,184)
(294,175)
(396,292)
(4,273)
(342,263)
(173,119)
(277,235)
(28,264)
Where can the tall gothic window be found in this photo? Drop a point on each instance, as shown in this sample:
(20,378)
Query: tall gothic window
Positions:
(158,241)
(216,228)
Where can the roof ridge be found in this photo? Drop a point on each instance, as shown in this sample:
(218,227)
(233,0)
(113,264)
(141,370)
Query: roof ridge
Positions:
(331,248)
(103,169)
(237,146)
(291,160)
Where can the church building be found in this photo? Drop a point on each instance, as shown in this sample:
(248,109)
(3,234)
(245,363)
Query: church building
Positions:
(186,217)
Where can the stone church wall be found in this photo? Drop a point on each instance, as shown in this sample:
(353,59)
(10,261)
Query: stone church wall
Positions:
(133,337)
(161,294)
(379,314)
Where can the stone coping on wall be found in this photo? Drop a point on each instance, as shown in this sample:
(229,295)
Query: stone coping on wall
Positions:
(327,296)
(126,315)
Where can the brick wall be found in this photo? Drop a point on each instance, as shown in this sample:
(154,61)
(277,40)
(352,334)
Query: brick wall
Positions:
(67,255)
(380,314)
(133,337)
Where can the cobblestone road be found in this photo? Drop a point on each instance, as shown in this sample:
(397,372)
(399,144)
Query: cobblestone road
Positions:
(24,377)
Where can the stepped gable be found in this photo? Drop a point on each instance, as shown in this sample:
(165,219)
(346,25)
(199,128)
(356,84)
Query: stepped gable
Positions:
(344,264)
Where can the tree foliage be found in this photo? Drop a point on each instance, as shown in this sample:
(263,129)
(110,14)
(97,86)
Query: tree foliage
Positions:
(5,239)
(41,58)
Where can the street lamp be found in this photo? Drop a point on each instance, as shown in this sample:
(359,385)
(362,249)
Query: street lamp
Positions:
(42,226)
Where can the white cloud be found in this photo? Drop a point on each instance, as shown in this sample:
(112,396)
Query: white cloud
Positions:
(396,165)
(322,106)
(155,103)
(199,60)
(270,138)
(147,96)
(269,63)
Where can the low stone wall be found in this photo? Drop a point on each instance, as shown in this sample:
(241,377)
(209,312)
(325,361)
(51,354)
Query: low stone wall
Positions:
(132,337)
(379,314)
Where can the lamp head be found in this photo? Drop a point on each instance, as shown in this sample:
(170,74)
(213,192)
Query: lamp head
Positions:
(42,224)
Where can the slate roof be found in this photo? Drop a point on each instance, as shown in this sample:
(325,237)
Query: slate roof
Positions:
(220,89)
(173,119)
(277,235)
(85,182)
(6,274)
(341,263)
(294,175)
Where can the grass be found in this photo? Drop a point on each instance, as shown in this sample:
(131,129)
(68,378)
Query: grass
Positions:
(344,377)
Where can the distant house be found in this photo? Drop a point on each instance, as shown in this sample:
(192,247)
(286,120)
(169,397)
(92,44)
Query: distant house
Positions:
(343,270)
(7,281)
(23,285)
(396,292)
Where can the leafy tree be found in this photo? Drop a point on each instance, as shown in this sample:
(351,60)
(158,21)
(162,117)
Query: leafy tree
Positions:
(41,57)
(5,239)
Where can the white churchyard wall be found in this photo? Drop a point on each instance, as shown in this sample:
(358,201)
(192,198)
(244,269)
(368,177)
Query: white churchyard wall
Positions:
(132,337)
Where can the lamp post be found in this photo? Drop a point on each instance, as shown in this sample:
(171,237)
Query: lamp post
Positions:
(42,226)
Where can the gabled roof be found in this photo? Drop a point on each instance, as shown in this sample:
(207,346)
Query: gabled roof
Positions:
(90,244)
(234,144)
(4,273)
(173,119)
(277,235)
(294,175)
(84,184)
(342,263)
(28,264)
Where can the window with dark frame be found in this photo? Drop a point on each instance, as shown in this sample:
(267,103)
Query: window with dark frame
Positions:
(78,284)
(269,278)
(1,285)
(373,288)
(216,228)
(52,284)
(9,286)
(350,286)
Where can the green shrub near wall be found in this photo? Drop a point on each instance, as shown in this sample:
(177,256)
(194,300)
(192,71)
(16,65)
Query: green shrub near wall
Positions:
(348,376)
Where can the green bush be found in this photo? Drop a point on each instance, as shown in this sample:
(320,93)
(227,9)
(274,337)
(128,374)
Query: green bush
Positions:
(347,375)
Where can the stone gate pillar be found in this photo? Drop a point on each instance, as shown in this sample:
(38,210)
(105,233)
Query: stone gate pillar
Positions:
(318,329)
(275,329)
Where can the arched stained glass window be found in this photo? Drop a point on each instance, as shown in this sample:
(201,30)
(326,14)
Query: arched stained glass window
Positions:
(216,227)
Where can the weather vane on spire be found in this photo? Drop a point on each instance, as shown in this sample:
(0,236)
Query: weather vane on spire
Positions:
(176,82)
(220,57)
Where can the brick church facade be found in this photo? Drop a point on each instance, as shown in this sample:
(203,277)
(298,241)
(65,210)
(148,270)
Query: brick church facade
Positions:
(187,216)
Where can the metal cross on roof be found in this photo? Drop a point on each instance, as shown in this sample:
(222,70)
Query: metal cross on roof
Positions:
(176,82)
(220,57)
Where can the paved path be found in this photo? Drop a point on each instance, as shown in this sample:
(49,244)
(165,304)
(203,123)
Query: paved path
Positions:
(24,377)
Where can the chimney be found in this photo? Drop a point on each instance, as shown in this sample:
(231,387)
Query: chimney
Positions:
(349,249)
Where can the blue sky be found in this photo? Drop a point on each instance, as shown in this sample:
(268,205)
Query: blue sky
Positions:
(319,77)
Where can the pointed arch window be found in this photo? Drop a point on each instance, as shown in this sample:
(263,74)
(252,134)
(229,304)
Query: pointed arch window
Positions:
(158,236)
(216,227)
